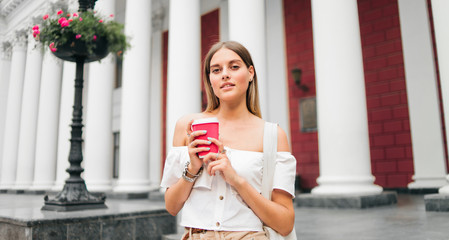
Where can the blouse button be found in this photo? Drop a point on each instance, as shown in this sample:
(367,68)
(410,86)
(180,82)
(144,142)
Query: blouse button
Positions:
(218,224)
(221,197)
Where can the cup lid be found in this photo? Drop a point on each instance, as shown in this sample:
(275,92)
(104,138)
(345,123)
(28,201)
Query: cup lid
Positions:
(205,120)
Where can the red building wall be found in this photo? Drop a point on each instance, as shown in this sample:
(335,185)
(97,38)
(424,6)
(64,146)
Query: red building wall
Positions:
(164,94)
(389,128)
(210,34)
(299,47)
(388,117)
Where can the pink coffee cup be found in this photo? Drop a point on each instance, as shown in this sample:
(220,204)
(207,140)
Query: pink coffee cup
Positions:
(211,126)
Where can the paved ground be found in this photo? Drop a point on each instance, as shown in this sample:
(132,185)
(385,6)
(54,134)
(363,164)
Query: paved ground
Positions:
(406,220)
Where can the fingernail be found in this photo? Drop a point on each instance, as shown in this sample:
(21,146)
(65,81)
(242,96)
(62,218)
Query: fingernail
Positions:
(209,138)
(205,131)
(209,142)
(208,149)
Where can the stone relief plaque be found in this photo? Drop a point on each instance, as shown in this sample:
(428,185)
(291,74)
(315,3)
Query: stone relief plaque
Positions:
(308,117)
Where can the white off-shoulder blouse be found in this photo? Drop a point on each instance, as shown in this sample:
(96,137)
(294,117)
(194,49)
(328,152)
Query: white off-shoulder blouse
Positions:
(215,205)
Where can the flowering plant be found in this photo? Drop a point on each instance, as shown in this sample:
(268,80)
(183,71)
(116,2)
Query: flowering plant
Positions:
(84,27)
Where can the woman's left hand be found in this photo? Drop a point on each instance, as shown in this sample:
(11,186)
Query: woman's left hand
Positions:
(220,162)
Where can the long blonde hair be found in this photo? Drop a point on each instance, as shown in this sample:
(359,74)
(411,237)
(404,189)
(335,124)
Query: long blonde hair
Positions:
(252,93)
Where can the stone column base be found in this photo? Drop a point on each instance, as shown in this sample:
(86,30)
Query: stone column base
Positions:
(346,201)
(437,202)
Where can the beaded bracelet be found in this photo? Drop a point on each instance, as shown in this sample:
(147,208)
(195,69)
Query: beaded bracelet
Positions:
(186,171)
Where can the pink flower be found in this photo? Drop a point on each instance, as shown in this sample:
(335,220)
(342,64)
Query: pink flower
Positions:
(62,19)
(81,19)
(100,21)
(112,15)
(65,23)
(45,17)
(78,36)
(60,12)
(36,32)
(95,37)
(68,15)
(75,14)
(70,20)
(52,48)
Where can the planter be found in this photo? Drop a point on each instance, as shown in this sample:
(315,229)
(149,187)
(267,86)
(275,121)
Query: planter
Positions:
(76,50)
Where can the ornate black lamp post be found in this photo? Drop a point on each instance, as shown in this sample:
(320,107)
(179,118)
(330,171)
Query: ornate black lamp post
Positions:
(75,195)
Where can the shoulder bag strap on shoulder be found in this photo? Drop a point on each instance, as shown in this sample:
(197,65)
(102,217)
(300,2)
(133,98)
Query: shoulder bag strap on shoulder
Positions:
(269,157)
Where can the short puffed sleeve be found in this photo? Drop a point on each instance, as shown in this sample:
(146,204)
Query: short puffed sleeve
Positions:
(285,172)
(174,165)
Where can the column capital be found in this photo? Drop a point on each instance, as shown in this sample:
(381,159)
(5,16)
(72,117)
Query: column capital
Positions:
(62,4)
(20,41)
(33,45)
(158,16)
(5,50)
(73,5)
(50,58)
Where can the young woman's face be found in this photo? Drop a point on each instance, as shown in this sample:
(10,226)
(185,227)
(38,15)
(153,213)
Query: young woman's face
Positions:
(229,75)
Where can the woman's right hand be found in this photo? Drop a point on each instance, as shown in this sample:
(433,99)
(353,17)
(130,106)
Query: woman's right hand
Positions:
(195,162)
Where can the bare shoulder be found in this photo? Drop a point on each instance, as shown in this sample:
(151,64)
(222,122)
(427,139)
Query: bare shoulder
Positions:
(179,138)
(283,145)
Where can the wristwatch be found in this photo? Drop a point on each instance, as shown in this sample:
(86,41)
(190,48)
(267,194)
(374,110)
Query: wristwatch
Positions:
(186,173)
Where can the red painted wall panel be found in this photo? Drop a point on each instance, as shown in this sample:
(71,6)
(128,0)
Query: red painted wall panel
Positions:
(299,46)
(386,93)
(210,34)
(164,94)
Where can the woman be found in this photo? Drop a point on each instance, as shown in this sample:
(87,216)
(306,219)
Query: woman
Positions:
(223,200)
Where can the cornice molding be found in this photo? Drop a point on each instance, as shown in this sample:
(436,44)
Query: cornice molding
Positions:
(7,6)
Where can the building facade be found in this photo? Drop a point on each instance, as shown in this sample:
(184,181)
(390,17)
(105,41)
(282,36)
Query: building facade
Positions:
(360,86)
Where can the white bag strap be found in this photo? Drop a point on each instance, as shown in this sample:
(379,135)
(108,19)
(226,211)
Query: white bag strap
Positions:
(270,142)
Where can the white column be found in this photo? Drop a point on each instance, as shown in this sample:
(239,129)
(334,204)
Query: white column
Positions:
(98,131)
(47,123)
(245,15)
(344,151)
(28,122)
(224,22)
(155,146)
(65,120)
(422,94)
(440,12)
(278,111)
(133,166)
(14,104)
(183,93)
(5,66)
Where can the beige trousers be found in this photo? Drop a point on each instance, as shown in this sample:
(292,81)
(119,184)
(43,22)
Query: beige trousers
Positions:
(224,235)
